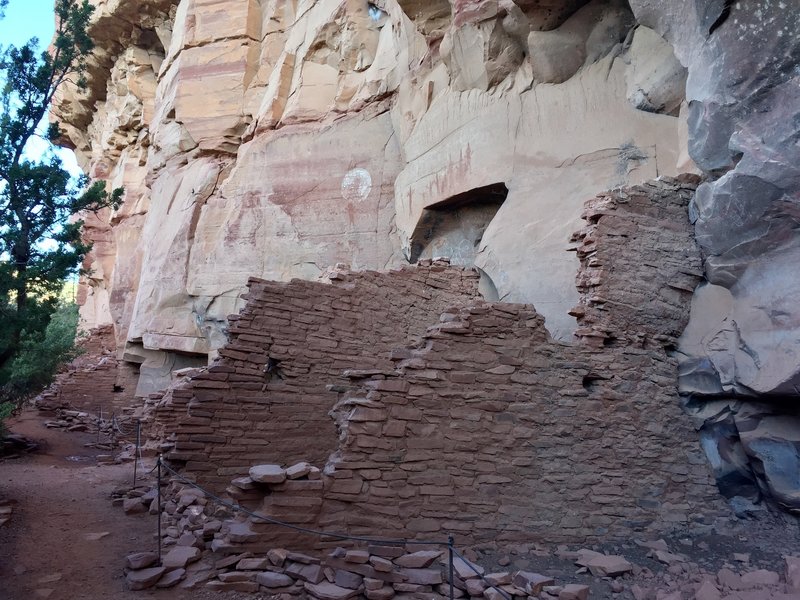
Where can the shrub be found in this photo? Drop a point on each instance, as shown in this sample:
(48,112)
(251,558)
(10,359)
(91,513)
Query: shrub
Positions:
(40,356)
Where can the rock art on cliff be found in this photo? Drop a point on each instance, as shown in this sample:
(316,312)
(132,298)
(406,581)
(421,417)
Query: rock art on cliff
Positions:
(275,139)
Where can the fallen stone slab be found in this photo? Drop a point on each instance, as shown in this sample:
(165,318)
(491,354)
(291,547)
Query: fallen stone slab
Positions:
(171,578)
(584,556)
(608,566)
(234,586)
(268,474)
(180,556)
(574,591)
(140,560)
(422,576)
(467,570)
(707,591)
(274,580)
(144,578)
(299,470)
(356,556)
(308,573)
(237,576)
(348,580)
(133,506)
(532,583)
(329,591)
(760,578)
(418,560)
(383,593)
(252,564)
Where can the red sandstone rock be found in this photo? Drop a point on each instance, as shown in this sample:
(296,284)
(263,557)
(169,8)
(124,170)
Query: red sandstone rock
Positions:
(574,591)
(298,470)
(532,583)
(171,579)
(356,556)
(418,560)
(383,593)
(759,578)
(310,573)
(465,569)
(140,560)
(179,557)
(144,578)
(277,556)
(608,566)
(348,580)
(267,474)
(707,591)
(329,591)
(274,580)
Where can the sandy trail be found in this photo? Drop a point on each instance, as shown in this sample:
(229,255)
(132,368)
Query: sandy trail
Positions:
(50,549)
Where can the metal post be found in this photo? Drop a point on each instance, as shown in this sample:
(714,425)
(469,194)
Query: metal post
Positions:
(159,509)
(136,453)
(450,552)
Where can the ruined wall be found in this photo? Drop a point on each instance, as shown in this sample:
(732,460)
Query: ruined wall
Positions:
(241,409)
(96,380)
(480,423)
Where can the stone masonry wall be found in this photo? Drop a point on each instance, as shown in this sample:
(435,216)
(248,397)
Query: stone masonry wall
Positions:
(480,425)
(309,332)
(93,381)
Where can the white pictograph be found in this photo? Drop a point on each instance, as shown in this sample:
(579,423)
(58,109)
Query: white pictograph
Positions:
(356,185)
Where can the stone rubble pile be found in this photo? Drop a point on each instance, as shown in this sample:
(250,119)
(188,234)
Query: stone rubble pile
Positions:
(204,544)
(208,545)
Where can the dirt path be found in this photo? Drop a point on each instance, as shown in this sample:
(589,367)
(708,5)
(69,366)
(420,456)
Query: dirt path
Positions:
(65,540)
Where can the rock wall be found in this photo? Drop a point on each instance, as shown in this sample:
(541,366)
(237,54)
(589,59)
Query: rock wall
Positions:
(276,138)
(273,139)
(481,423)
(267,393)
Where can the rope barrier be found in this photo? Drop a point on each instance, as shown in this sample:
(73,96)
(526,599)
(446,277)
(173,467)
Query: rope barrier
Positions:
(338,536)
(503,593)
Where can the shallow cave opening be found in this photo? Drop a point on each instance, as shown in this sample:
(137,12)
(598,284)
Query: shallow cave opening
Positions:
(454,227)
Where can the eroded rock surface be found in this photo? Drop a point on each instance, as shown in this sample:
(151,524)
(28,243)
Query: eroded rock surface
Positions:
(275,139)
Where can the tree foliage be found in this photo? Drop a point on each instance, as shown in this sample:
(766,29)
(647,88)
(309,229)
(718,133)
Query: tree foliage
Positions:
(36,362)
(40,242)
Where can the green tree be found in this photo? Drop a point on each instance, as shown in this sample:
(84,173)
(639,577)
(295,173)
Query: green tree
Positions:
(40,242)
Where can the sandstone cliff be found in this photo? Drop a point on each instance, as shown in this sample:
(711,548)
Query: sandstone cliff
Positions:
(274,138)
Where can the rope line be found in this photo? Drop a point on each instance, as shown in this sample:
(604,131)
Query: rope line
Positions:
(338,536)
(503,593)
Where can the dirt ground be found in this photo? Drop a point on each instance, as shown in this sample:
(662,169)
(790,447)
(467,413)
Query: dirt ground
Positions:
(65,539)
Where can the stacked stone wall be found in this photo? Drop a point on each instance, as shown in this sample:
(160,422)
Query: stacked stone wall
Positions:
(268,395)
(94,381)
(479,425)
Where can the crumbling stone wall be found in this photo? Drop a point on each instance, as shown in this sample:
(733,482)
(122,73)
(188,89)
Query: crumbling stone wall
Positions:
(93,381)
(236,412)
(481,424)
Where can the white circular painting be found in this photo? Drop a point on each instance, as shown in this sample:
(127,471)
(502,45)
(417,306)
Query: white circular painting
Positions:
(356,185)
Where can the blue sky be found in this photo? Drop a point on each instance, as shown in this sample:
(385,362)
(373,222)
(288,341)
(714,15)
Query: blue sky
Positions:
(26,19)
